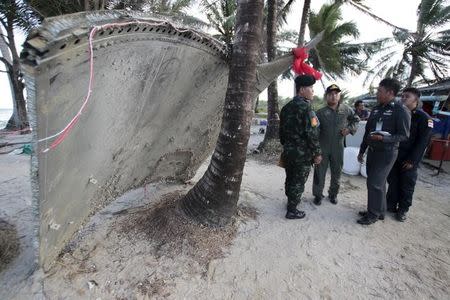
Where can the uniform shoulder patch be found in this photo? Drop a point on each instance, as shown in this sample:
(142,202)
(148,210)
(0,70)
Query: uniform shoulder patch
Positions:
(430,123)
(314,120)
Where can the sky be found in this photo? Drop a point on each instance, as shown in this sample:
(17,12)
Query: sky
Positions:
(399,12)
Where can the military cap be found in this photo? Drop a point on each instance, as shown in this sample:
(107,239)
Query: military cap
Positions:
(333,87)
(304,80)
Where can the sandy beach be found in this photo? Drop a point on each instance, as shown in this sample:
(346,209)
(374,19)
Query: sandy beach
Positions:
(261,255)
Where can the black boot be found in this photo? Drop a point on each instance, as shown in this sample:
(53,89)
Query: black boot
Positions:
(317,200)
(295,214)
(363,213)
(368,219)
(401,216)
(333,199)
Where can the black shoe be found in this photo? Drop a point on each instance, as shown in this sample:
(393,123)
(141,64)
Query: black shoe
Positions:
(333,199)
(317,200)
(367,220)
(295,214)
(400,216)
(364,213)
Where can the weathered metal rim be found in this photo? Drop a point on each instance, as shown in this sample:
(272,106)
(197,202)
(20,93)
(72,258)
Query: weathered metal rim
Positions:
(70,30)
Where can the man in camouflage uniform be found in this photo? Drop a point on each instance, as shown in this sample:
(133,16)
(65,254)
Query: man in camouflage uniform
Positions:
(337,120)
(300,140)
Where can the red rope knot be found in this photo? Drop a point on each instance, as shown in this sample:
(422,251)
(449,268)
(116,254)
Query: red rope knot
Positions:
(300,66)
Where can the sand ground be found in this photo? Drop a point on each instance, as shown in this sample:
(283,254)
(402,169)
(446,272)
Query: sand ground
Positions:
(326,255)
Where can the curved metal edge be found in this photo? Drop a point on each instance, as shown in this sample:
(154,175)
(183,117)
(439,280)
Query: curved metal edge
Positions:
(34,180)
(55,32)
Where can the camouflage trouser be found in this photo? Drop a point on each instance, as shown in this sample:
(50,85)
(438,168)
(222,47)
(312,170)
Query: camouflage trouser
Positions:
(297,172)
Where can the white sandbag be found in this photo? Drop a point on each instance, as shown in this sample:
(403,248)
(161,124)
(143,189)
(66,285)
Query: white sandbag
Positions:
(363,170)
(355,140)
(351,164)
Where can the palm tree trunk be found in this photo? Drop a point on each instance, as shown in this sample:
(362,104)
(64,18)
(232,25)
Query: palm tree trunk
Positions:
(304,21)
(273,120)
(19,119)
(213,200)
(256,105)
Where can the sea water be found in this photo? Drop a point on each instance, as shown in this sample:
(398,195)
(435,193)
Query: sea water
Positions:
(5,114)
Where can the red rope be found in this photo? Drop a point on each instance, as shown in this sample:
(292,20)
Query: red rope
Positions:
(60,136)
(300,66)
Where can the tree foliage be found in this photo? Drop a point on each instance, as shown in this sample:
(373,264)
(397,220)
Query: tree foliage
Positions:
(49,8)
(222,17)
(17,13)
(335,56)
(423,54)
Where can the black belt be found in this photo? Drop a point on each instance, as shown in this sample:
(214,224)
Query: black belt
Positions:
(383,149)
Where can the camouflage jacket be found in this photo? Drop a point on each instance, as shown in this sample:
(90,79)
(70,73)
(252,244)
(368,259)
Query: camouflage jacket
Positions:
(332,122)
(299,132)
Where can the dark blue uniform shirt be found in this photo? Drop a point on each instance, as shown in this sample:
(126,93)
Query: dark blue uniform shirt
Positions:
(393,118)
(412,149)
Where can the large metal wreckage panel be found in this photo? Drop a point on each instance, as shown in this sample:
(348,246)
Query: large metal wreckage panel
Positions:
(154,112)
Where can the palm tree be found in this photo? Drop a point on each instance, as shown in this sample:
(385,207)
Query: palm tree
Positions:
(276,14)
(305,16)
(273,120)
(222,16)
(334,55)
(213,200)
(14,15)
(409,56)
(303,22)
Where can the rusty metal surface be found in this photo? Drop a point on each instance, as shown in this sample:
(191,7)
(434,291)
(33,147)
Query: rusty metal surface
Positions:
(154,113)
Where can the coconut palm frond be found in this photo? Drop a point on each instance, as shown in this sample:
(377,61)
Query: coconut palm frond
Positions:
(222,17)
(432,13)
(283,11)
(348,29)
(425,51)
(383,63)
(380,73)
(365,10)
(19,13)
(333,56)
(179,5)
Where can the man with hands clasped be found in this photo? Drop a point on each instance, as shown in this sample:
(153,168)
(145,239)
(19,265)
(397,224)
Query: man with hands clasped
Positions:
(387,126)
(336,120)
(403,176)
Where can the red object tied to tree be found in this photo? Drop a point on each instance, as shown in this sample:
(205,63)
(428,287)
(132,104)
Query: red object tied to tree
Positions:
(300,66)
